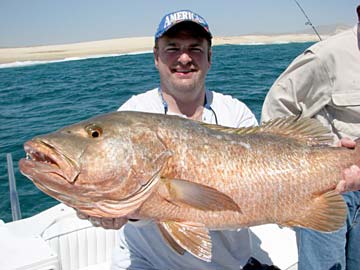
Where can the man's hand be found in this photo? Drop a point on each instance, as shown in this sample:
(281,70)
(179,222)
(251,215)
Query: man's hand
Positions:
(351,176)
(106,223)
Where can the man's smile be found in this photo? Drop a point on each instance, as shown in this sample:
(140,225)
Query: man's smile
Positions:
(183,71)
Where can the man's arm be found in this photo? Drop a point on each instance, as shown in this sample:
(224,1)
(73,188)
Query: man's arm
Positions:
(304,89)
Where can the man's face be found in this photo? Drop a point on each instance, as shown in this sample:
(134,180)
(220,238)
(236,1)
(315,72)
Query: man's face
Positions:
(183,62)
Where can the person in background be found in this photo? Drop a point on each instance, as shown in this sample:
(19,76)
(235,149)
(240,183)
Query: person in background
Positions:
(324,83)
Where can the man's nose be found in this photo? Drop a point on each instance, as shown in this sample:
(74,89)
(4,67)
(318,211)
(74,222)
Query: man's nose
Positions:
(184,57)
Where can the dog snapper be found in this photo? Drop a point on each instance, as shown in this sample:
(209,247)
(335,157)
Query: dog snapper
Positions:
(190,177)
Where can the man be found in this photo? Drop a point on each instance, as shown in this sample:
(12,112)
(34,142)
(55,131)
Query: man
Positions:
(324,83)
(182,55)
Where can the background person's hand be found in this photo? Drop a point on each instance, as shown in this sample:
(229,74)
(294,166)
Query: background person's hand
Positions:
(351,176)
(106,223)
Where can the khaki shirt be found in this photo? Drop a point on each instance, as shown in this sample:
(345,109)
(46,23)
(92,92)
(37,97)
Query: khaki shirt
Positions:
(324,83)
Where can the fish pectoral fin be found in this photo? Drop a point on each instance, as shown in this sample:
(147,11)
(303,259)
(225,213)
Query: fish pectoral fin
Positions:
(327,213)
(191,237)
(199,196)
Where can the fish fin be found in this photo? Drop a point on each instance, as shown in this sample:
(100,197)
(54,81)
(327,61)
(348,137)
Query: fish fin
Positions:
(191,237)
(305,130)
(230,130)
(199,196)
(170,240)
(327,213)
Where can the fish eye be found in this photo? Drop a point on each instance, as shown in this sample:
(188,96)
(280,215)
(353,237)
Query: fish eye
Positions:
(94,131)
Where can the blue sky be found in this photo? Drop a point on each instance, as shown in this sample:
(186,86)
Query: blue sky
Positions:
(36,22)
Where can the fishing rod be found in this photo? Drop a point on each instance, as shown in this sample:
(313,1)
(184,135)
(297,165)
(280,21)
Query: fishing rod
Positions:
(308,20)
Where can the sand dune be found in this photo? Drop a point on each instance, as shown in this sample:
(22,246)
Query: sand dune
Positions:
(126,45)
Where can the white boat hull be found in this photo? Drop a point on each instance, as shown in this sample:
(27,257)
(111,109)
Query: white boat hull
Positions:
(58,239)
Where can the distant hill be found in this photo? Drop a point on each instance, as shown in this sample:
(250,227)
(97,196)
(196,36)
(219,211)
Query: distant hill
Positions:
(328,30)
(323,30)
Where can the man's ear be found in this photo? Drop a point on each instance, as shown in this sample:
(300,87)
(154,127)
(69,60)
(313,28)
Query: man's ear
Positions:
(209,56)
(156,57)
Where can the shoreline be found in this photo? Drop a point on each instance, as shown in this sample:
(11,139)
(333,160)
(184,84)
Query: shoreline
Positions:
(119,46)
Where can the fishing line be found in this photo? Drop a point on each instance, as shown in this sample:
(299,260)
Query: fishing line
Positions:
(308,20)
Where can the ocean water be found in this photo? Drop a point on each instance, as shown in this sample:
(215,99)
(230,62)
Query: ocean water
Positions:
(37,99)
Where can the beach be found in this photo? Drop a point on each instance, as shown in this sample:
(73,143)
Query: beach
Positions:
(127,45)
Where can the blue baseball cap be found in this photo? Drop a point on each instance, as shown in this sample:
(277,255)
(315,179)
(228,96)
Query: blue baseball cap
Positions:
(176,17)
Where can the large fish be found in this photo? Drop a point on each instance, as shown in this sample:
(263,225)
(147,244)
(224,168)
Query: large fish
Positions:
(190,177)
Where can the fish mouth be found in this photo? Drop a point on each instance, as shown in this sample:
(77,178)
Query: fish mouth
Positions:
(44,163)
(56,174)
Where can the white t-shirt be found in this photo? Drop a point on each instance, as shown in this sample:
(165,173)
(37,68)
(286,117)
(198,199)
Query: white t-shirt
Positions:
(141,245)
(229,111)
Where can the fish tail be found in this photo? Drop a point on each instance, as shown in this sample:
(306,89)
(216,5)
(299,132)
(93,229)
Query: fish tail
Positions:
(325,213)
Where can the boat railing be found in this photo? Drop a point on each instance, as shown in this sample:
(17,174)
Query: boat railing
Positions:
(14,198)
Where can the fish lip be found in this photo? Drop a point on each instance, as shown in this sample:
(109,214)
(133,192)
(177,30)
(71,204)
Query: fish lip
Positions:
(46,159)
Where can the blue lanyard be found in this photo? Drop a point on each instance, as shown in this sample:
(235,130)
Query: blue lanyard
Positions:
(164,103)
(166,106)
